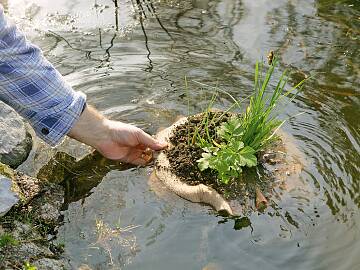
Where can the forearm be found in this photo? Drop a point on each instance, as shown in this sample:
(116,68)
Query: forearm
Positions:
(91,128)
(30,84)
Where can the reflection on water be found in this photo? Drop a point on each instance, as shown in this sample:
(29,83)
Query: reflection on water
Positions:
(131,57)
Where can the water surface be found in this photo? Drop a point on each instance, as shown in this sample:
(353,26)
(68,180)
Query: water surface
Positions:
(131,62)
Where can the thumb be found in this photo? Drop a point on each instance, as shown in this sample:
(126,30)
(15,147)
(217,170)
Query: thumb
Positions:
(148,141)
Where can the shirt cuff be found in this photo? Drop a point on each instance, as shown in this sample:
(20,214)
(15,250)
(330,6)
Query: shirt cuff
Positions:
(53,127)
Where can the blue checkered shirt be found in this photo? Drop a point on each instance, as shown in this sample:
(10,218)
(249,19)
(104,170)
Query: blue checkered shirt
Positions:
(34,88)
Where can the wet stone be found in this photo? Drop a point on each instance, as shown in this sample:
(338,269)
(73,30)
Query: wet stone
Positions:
(28,251)
(49,264)
(15,140)
(24,231)
(16,187)
(47,207)
(8,197)
(269,156)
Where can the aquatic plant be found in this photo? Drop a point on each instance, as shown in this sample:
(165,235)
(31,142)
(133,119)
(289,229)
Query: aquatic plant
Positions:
(243,136)
(122,236)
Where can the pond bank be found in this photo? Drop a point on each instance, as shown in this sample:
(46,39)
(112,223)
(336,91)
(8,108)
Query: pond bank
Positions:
(28,229)
(29,222)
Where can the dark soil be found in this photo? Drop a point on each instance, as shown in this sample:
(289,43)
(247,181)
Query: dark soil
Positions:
(185,153)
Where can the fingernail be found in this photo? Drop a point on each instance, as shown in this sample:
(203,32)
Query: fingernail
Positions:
(162,144)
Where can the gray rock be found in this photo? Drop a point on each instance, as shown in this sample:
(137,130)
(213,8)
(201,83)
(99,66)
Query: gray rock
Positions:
(28,186)
(8,197)
(15,140)
(27,251)
(48,264)
(25,231)
(47,206)
(16,187)
(49,212)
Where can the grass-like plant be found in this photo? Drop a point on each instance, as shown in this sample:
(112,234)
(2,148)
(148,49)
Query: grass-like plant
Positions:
(6,240)
(244,135)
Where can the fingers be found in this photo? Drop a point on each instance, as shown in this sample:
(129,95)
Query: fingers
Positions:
(129,144)
(134,155)
(139,157)
(148,141)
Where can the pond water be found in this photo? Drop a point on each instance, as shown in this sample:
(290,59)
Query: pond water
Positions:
(131,62)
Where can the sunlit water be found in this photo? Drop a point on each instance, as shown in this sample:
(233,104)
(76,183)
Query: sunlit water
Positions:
(133,70)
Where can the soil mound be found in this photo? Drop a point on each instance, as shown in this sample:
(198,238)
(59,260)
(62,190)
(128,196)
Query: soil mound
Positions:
(177,169)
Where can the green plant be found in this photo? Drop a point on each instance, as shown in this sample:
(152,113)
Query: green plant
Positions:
(7,239)
(228,157)
(28,266)
(244,135)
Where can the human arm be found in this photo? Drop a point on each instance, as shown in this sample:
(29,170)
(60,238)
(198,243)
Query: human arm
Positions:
(32,86)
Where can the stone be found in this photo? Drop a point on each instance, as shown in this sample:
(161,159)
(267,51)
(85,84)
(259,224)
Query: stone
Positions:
(27,251)
(29,186)
(15,140)
(33,224)
(8,196)
(24,231)
(49,213)
(16,187)
(48,264)
(47,206)
(267,156)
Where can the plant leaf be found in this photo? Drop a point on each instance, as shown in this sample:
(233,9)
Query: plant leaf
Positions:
(203,163)
(247,155)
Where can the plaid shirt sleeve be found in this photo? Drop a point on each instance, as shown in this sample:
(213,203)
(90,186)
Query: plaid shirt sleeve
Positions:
(34,88)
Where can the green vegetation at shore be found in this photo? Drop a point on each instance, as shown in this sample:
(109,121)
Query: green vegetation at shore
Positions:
(7,240)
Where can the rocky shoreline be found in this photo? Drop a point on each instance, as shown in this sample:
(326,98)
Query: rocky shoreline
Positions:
(28,229)
(29,207)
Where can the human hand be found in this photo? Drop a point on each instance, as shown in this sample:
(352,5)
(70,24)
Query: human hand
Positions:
(113,139)
(128,143)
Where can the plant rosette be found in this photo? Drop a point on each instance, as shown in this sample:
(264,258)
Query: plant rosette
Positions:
(200,172)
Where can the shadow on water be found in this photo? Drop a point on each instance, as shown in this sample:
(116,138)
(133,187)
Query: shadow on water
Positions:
(78,177)
(130,58)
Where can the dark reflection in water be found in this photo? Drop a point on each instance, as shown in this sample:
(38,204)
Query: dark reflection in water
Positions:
(78,177)
(131,59)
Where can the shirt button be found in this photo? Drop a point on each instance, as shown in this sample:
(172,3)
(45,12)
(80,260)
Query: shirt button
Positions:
(45,131)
